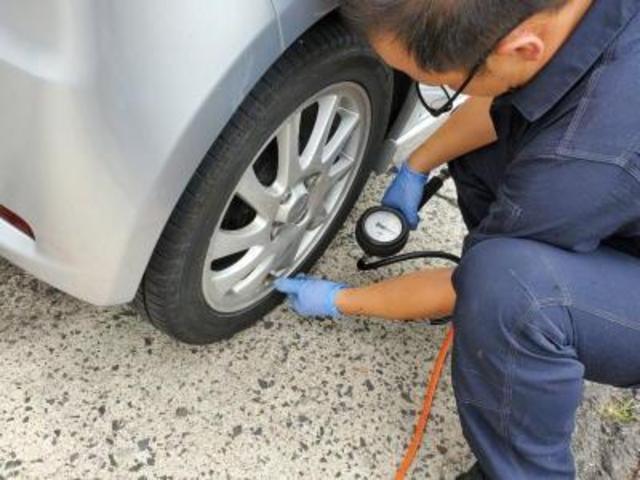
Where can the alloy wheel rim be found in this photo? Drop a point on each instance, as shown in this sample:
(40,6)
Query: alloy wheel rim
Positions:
(287,198)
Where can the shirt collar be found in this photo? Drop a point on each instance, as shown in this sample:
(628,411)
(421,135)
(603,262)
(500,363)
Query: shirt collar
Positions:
(601,25)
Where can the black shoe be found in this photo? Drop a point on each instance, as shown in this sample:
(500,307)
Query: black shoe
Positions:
(475,473)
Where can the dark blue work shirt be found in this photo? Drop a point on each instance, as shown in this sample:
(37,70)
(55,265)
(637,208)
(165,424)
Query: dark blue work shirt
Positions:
(571,138)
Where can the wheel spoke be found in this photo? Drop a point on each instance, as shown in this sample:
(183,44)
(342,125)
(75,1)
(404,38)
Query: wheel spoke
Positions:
(229,242)
(289,168)
(256,279)
(338,171)
(321,193)
(320,215)
(318,196)
(342,136)
(262,199)
(222,283)
(250,273)
(327,111)
(288,247)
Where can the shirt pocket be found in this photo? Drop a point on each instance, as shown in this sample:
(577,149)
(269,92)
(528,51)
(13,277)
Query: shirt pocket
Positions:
(587,140)
(604,127)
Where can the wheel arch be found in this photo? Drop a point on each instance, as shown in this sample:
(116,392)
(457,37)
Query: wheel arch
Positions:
(262,47)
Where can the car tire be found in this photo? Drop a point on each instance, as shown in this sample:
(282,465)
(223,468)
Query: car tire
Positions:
(171,294)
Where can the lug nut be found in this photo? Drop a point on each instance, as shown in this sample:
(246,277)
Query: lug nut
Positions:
(285,197)
(312,181)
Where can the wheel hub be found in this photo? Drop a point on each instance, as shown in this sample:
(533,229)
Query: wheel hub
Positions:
(295,210)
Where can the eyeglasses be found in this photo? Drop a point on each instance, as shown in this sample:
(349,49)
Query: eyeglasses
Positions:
(442,102)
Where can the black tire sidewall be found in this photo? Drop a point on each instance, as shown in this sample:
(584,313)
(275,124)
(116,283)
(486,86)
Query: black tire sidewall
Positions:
(267,108)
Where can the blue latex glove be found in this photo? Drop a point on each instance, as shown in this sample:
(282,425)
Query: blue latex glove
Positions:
(405,194)
(311,297)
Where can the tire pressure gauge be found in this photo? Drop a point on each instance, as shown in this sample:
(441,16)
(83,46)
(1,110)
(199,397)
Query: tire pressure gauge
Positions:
(382,232)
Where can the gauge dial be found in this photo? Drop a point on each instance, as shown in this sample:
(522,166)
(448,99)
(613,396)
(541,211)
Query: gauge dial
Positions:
(384,227)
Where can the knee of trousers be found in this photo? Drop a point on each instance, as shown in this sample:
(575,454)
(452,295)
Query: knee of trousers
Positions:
(495,278)
(492,296)
(511,324)
(497,284)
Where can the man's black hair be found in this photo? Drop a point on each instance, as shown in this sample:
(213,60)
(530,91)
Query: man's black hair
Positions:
(444,35)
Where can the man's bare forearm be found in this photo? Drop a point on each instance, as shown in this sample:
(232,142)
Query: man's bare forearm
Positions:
(429,293)
(420,295)
(469,128)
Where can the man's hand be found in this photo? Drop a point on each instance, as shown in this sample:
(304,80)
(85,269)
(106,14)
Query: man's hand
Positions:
(405,194)
(311,297)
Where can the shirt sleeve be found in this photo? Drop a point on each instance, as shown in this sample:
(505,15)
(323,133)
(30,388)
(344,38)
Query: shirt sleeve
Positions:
(570,203)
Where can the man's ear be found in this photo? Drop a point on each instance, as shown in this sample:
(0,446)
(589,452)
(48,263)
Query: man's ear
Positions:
(525,45)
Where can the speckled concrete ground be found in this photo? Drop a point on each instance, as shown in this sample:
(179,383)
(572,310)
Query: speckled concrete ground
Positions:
(97,393)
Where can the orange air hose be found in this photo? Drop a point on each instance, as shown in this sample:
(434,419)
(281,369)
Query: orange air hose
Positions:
(423,420)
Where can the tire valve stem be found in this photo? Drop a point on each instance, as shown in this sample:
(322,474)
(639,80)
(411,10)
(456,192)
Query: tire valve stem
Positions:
(272,277)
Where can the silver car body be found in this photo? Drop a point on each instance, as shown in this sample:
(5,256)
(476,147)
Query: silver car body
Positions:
(108,106)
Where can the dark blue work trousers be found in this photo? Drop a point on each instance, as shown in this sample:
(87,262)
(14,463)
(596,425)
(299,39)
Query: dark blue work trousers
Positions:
(532,322)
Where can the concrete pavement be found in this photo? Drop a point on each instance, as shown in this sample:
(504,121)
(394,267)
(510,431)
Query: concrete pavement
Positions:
(97,393)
